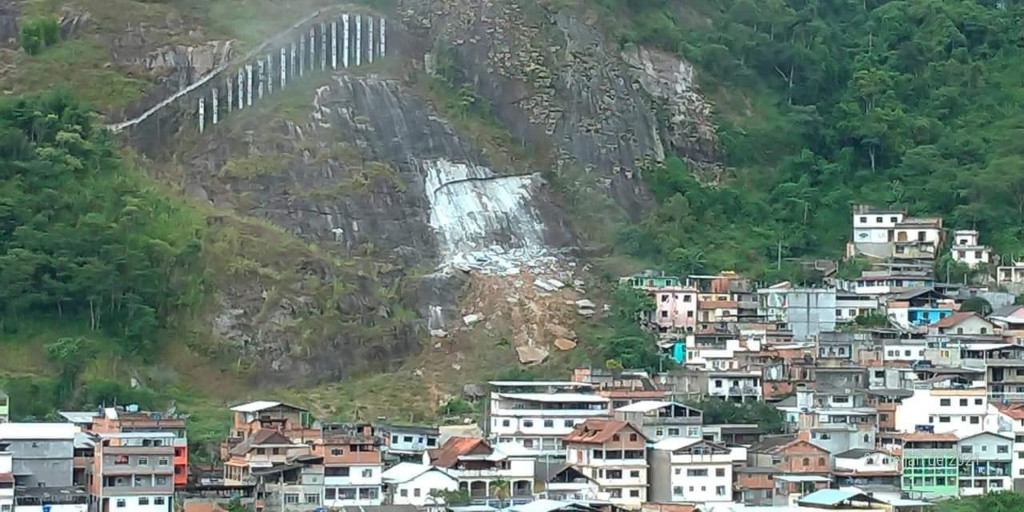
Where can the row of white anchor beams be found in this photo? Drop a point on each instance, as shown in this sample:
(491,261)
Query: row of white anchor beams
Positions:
(340,40)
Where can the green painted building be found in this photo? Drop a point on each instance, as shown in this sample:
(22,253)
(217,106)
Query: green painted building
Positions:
(648,281)
(930,464)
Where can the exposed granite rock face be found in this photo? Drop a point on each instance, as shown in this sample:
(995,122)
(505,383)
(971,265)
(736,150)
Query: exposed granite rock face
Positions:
(670,82)
(181,65)
(72,22)
(8,24)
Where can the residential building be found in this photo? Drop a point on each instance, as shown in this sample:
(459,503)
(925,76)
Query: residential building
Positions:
(538,415)
(967,250)
(291,421)
(866,466)
(119,420)
(43,453)
(675,301)
(690,470)
(790,454)
(930,464)
(986,460)
(622,387)
(133,471)
(261,450)
(1003,365)
(6,480)
(805,311)
(569,483)
(735,386)
(353,465)
(889,281)
(43,499)
(479,465)
(408,443)
(755,486)
(873,230)
(965,322)
(5,407)
(613,454)
(917,238)
(297,486)
(1010,274)
(1010,319)
(963,411)
(1013,416)
(662,420)
(851,305)
(918,308)
(419,485)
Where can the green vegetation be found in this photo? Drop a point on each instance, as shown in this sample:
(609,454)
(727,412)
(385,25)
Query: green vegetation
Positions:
(1005,501)
(621,342)
(80,235)
(914,103)
(718,411)
(38,33)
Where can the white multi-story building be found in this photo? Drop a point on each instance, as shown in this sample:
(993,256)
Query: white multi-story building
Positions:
(906,351)
(985,463)
(479,466)
(6,481)
(851,305)
(736,386)
(874,230)
(962,412)
(690,470)
(1012,423)
(966,249)
(537,415)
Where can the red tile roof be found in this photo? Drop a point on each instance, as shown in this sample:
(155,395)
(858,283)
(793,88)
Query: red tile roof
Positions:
(1015,411)
(928,436)
(448,454)
(954,319)
(6,478)
(596,431)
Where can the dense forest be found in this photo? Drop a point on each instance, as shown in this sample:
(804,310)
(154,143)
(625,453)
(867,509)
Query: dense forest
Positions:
(912,103)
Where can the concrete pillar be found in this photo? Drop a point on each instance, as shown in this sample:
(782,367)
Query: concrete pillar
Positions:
(334,44)
(249,85)
(284,68)
(261,72)
(359,39)
(293,64)
(382,37)
(370,48)
(323,46)
(302,56)
(345,39)
(202,114)
(312,49)
(214,100)
(269,77)
(241,89)
(231,92)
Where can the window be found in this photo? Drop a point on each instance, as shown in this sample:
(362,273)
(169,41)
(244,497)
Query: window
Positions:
(334,471)
(634,493)
(634,474)
(337,451)
(403,493)
(416,492)
(615,493)
(963,402)
(673,431)
(944,402)
(867,438)
(120,503)
(696,472)
(974,420)
(678,490)
(718,383)
(598,454)
(806,462)
(394,439)
(367,473)
(431,441)
(312,498)
(407,439)
(687,298)
(664,314)
(1003,448)
(719,471)
(821,461)
(720,490)
(506,423)
(613,474)
(659,432)
(143,501)
(693,431)
(527,423)
(261,451)
(966,449)
(633,437)
(943,419)
(367,493)
(664,298)
(689,314)
(163,462)
(161,480)
(291,497)
(331,493)
(549,423)
(863,220)
(568,423)
(143,461)
(977,401)
(158,501)
(878,219)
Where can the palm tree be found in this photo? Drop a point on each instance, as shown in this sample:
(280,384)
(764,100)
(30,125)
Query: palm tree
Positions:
(501,488)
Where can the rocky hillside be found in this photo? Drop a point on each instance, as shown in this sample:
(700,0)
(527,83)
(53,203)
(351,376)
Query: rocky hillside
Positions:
(414,214)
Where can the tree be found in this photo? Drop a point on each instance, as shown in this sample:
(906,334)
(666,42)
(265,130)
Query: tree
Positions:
(451,498)
(501,489)
(1019,300)
(71,354)
(977,305)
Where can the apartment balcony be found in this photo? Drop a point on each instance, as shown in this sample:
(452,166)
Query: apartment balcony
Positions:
(128,490)
(1008,396)
(507,474)
(139,450)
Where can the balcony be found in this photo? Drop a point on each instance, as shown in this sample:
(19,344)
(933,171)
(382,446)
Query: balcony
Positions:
(129,490)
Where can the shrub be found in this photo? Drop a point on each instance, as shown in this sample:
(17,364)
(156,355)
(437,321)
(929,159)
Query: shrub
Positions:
(38,33)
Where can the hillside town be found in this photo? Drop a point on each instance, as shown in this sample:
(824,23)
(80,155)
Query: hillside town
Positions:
(894,391)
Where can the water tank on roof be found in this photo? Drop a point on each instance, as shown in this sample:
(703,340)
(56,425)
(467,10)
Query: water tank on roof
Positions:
(132,408)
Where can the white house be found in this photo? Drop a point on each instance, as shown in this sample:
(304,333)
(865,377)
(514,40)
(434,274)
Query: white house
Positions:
(867,464)
(851,305)
(958,411)
(478,465)
(986,462)
(966,248)
(1010,274)
(6,481)
(736,386)
(412,484)
(1012,423)
(537,415)
(873,230)
(690,470)
(905,351)
(963,322)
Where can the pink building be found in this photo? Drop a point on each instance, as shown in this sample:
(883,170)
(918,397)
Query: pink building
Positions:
(675,307)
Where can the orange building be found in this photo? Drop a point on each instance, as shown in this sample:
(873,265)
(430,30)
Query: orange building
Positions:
(119,421)
(291,421)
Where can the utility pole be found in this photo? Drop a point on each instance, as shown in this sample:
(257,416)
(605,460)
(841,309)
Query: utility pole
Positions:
(778,264)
